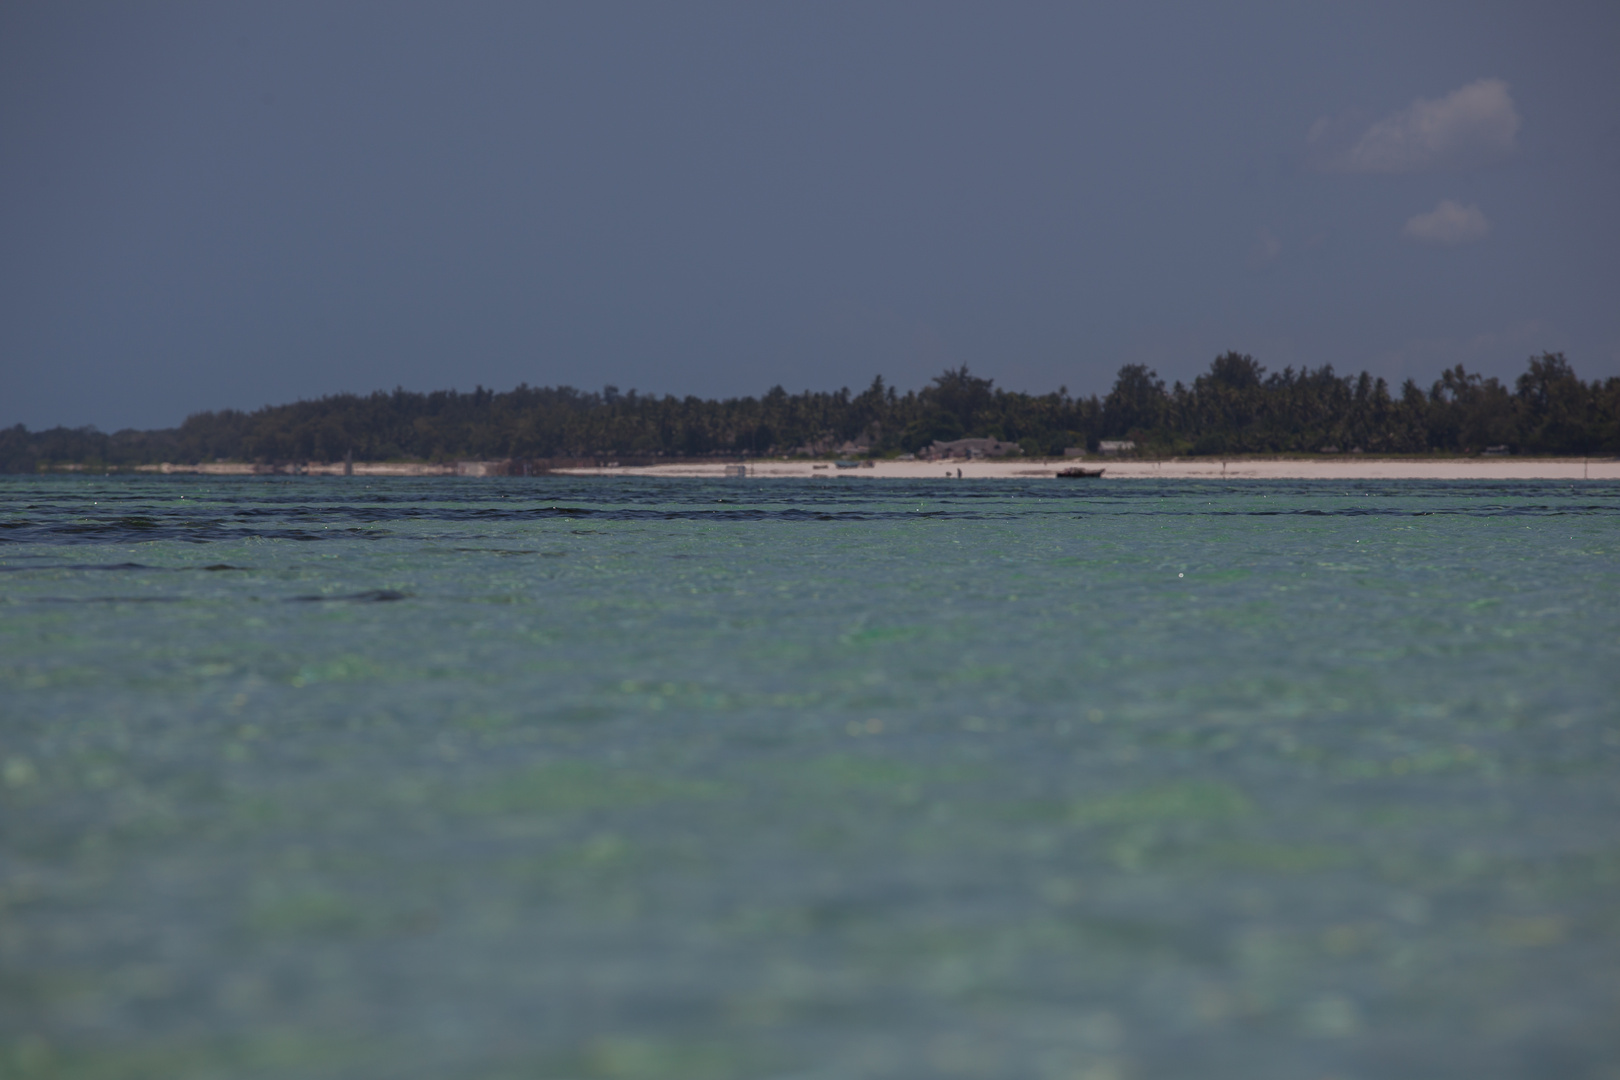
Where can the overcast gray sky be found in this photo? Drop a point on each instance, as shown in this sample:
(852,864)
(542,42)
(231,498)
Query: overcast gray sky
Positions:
(227,205)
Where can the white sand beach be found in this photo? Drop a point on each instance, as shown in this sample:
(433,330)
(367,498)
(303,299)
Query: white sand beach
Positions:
(1348,467)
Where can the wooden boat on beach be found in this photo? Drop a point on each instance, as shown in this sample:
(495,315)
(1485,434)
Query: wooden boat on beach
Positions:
(1079,474)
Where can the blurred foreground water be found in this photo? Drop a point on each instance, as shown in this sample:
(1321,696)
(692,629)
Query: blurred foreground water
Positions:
(308,778)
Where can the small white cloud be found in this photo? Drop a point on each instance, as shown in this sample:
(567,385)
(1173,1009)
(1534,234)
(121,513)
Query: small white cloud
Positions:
(1450,223)
(1265,250)
(1471,126)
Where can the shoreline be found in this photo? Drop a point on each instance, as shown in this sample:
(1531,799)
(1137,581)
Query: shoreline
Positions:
(1238,468)
(1137,469)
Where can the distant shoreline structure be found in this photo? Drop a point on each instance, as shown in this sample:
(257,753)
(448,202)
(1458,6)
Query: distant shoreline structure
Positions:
(1245,467)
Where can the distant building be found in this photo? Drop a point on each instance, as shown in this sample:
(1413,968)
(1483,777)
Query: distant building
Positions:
(1074,451)
(970,448)
(1117,446)
(826,444)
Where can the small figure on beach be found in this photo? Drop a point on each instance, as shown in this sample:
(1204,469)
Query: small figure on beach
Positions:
(959,474)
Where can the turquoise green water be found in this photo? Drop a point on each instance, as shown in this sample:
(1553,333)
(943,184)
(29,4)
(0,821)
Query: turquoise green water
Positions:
(853,778)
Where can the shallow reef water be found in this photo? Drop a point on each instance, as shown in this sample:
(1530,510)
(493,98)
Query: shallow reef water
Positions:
(847,778)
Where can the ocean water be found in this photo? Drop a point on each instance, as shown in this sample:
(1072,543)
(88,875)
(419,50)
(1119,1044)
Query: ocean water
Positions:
(611,778)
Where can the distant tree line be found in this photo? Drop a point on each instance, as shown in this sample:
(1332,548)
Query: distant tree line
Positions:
(1233,408)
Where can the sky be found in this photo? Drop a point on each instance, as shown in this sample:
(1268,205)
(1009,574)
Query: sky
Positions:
(226,205)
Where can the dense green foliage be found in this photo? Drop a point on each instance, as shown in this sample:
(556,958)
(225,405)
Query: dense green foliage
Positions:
(1236,407)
